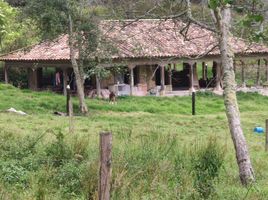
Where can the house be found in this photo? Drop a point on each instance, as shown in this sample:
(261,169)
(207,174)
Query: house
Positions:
(160,56)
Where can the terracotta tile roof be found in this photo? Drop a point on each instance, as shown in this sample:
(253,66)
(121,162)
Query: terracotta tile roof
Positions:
(47,50)
(146,38)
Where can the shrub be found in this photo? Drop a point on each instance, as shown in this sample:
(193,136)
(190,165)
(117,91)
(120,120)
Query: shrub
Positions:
(59,151)
(206,166)
(13,173)
(69,178)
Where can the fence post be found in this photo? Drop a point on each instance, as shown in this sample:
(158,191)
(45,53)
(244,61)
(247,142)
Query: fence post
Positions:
(69,108)
(193,103)
(266,136)
(105,172)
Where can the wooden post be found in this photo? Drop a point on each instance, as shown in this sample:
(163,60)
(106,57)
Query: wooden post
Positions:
(206,72)
(131,68)
(6,73)
(258,78)
(69,104)
(98,85)
(243,73)
(162,91)
(203,70)
(266,68)
(33,78)
(105,172)
(195,76)
(191,71)
(218,76)
(193,103)
(69,108)
(170,75)
(65,80)
(234,66)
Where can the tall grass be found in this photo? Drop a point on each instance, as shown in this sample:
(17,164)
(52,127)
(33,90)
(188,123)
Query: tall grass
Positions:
(160,151)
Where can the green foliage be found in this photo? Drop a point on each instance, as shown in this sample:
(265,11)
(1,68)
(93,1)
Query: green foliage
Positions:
(13,29)
(69,179)
(213,4)
(17,77)
(54,17)
(206,166)
(153,143)
(12,173)
(50,15)
(249,20)
(58,152)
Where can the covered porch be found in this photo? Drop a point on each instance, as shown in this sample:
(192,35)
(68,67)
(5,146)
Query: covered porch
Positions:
(140,77)
(152,67)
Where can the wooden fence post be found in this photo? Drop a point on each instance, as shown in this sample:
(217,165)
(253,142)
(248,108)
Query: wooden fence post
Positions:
(266,136)
(105,172)
(193,103)
(69,105)
(69,108)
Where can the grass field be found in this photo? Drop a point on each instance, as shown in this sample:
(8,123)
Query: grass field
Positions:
(158,148)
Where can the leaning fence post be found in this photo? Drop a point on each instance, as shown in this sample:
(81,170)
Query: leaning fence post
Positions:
(105,172)
(266,136)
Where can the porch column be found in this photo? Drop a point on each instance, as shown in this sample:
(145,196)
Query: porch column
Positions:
(65,80)
(243,73)
(32,79)
(266,68)
(98,86)
(131,68)
(195,76)
(217,65)
(6,73)
(206,71)
(191,73)
(162,90)
(203,70)
(234,63)
(170,74)
(258,78)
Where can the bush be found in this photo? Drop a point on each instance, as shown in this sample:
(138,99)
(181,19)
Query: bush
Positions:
(69,178)
(59,151)
(12,173)
(206,166)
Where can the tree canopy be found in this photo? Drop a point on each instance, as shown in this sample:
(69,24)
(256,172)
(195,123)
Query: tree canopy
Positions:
(13,28)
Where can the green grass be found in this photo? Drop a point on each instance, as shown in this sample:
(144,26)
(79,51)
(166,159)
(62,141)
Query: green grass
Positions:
(155,141)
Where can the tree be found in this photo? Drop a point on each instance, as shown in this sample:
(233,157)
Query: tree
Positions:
(16,2)
(2,26)
(222,13)
(221,24)
(13,29)
(75,18)
(55,15)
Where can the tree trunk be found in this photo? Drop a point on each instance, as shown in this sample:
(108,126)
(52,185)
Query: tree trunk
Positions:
(223,17)
(78,78)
